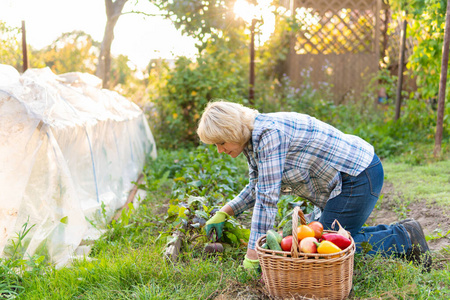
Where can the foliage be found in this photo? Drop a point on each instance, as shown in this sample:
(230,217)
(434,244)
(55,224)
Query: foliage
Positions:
(16,266)
(202,181)
(10,48)
(426,23)
(188,87)
(73,51)
(207,21)
(121,73)
(208,174)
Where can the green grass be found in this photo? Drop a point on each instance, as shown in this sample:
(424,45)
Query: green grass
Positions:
(380,278)
(430,181)
(127,262)
(124,271)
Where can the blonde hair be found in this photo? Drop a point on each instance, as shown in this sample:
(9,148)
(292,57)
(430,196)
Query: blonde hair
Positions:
(226,122)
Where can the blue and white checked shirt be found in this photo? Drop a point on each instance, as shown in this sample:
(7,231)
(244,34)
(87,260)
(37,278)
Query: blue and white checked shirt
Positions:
(292,153)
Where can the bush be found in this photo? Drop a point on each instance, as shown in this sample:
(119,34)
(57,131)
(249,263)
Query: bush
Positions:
(188,88)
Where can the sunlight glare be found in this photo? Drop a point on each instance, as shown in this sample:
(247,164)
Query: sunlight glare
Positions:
(262,12)
(245,10)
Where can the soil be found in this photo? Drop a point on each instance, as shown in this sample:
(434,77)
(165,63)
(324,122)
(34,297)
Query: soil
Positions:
(432,217)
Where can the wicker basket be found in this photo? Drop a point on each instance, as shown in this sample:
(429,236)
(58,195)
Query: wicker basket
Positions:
(306,275)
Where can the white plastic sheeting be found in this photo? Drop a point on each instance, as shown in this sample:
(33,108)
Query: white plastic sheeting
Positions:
(69,152)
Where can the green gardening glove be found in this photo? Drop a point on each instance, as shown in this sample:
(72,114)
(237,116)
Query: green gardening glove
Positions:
(216,222)
(251,264)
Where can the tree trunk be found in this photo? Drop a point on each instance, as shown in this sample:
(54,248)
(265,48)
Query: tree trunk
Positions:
(442,85)
(113,12)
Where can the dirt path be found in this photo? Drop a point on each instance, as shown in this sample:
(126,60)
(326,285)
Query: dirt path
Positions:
(432,217)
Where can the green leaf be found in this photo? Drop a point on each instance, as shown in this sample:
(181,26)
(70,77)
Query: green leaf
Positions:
(366,247)
(194,199)
(232,238)
(196,183)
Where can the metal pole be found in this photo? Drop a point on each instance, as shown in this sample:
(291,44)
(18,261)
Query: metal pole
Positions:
(24,48)
(251,96)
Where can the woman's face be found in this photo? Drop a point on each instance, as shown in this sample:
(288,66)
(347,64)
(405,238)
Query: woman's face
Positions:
(231,149)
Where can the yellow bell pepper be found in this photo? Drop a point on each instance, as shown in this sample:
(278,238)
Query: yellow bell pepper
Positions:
(327,247)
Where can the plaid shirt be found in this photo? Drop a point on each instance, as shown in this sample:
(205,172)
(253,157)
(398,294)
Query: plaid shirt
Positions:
(292,153)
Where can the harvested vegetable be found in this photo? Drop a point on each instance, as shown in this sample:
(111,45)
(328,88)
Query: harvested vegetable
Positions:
(327,247)
(337,239)
(341,230)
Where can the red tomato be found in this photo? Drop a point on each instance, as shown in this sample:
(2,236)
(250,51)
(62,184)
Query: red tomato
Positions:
(317,227)
(286,243)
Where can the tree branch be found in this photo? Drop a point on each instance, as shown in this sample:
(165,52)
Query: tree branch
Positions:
(145,14)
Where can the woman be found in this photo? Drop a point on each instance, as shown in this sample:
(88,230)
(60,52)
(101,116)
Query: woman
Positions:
(297,154)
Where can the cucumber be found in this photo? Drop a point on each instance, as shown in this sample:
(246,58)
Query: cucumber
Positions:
(273,240)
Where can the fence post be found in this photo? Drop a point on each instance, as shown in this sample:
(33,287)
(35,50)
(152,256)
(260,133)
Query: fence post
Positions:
(24,48)
(400,69)
(251,96)
(442,85)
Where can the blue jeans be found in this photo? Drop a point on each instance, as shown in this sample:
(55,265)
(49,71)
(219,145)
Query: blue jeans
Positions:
(354,205)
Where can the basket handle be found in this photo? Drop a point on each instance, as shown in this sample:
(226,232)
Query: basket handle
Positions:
(297,213)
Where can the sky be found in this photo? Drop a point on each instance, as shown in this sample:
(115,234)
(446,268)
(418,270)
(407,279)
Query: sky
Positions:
(140,37)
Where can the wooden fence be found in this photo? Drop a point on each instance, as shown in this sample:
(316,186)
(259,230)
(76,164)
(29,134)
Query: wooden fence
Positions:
(337,42)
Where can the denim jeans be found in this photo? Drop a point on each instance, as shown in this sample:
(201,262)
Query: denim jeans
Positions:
(354,205)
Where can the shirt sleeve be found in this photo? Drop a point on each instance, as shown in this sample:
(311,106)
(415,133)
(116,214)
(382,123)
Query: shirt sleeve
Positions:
(272,152)
(246,198)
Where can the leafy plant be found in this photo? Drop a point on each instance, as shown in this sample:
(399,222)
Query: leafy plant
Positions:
(16,266)
(437,234)
(188,88)
(202,181)
(10,51)
(74,51)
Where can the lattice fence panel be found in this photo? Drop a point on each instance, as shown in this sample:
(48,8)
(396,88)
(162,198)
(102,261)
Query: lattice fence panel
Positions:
(323,5)
(334,31)
(342,37)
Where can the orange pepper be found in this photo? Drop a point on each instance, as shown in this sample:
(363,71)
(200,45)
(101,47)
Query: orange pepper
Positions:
(327,247)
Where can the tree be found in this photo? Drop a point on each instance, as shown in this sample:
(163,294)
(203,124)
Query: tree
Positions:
(428,28)
(120,71)
(442,84)
(207,21)
(426,22)
(74,51)
(113,12)
(10,49)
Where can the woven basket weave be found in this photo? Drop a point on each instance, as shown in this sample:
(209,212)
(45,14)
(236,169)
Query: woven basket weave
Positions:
(306,275)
